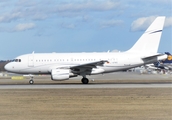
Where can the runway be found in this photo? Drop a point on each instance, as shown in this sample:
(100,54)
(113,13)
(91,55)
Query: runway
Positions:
(110,96)
(114,80)
(89,86)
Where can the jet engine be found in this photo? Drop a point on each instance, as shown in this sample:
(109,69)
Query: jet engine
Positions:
(60,74)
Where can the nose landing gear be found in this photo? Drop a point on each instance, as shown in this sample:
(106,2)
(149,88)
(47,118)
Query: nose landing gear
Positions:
(31,80)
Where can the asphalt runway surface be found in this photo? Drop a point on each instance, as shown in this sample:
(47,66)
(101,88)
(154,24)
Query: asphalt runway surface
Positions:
(113,80)
(89,86)
(116,96)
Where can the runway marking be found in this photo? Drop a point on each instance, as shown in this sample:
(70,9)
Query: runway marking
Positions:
(17,78)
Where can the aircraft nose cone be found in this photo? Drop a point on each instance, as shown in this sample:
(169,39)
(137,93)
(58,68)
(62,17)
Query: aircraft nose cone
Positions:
(7,67)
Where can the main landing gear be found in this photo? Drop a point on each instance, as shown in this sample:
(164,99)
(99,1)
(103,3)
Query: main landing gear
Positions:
(84,80)
(31,80)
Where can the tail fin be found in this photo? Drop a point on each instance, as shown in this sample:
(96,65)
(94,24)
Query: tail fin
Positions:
(169,58)
(149,41)
(167,53)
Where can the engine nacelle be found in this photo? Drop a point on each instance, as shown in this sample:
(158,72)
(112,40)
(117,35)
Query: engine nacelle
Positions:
(60,74)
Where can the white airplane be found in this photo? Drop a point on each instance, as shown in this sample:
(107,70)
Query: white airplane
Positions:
(62,66)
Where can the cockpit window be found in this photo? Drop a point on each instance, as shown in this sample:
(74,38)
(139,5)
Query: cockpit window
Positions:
(16,60)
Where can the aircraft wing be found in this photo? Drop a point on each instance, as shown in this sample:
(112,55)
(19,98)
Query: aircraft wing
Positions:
(168,66)
(87,67)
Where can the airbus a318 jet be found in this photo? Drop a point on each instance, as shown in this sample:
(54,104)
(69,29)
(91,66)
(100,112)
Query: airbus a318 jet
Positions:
(62,66)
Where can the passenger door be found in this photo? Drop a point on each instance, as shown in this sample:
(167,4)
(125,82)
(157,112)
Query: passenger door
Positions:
(31,61)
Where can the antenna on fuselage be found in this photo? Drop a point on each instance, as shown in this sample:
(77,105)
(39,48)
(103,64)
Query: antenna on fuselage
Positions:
(33,52)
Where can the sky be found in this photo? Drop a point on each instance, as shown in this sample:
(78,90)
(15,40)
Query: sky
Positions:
(78,25)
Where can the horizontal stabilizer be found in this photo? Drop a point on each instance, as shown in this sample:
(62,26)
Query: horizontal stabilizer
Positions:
(151,59)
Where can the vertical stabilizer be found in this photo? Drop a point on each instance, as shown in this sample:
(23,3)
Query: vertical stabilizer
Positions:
(149,41)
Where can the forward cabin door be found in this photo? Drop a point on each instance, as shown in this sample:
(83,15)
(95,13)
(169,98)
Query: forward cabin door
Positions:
(31,61)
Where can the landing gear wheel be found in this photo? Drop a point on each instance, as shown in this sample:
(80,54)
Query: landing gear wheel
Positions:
(31,81)
(85,81)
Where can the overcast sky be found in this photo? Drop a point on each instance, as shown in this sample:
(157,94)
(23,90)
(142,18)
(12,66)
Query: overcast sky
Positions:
(78,25)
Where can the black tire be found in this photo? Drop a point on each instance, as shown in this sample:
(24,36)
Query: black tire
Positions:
(85,81)
(31,81)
